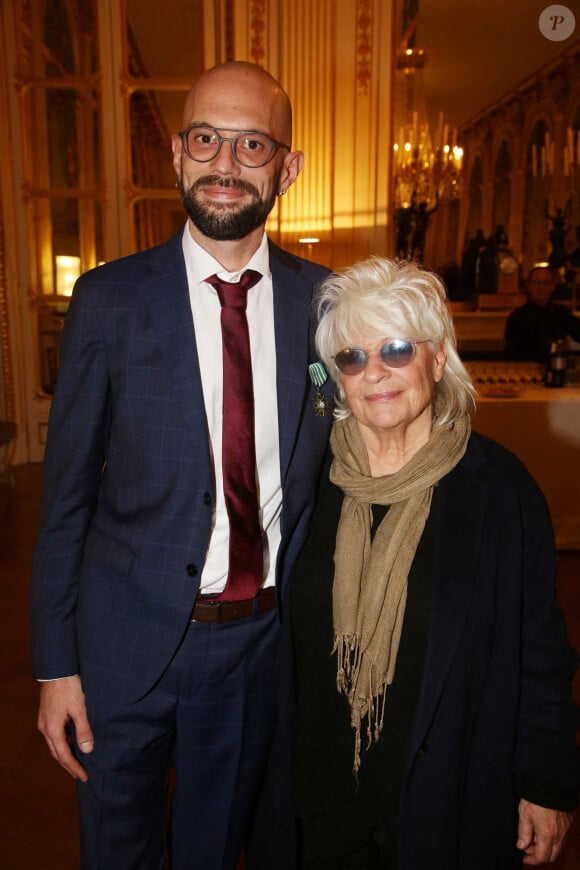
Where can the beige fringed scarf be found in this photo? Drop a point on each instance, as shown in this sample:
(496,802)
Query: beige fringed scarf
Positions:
(370,581)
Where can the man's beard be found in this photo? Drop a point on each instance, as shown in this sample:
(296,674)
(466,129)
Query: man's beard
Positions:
(224,223)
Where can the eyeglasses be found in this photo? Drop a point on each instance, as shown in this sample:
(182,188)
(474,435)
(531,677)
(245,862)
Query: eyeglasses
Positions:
(395,353)
(249,148)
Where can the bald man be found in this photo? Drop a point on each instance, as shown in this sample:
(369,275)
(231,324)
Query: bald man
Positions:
(147,660)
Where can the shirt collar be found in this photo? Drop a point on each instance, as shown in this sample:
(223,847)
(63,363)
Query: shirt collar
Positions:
(201,263)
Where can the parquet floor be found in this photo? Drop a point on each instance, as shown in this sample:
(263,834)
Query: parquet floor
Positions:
(38,817)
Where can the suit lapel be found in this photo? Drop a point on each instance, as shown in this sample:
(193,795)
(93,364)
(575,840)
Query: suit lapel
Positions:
(167,297)
(292,308)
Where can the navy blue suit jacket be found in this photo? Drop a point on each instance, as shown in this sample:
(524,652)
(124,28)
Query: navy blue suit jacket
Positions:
(128,484)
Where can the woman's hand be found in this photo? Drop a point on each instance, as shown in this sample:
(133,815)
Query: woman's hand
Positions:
(541,832)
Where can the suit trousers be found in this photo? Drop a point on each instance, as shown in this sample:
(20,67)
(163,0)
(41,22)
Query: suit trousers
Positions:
(211,718)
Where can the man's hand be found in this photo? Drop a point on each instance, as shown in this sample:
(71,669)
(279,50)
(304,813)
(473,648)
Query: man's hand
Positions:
(62,702)
(541,832)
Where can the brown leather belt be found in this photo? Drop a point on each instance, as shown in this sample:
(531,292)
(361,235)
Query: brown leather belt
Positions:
(212,610)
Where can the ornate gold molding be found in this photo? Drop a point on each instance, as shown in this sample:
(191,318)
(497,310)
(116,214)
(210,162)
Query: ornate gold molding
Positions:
(229,32)
(258,30)
(5,356)
(364,44)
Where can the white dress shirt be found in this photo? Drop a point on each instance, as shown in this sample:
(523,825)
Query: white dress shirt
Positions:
(206,311)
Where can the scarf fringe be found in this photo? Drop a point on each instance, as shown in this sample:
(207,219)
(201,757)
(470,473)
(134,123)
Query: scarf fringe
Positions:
(372,707)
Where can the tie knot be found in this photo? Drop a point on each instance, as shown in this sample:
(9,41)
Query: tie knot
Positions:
(234,295)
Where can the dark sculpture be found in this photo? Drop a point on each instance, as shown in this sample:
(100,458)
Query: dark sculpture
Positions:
(470,265)
(557,256)
(404,223)
(422,216)
(488,267)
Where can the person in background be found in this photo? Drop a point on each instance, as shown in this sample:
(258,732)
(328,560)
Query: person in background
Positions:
(435,726)
(531,328)
(167,535)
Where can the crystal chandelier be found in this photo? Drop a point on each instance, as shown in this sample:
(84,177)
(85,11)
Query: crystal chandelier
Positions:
(426,163)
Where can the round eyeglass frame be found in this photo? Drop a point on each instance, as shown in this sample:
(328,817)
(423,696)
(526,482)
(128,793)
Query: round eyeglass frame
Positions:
(233,140)
(396,353)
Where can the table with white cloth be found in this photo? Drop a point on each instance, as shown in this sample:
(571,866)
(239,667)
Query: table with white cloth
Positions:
(541,425)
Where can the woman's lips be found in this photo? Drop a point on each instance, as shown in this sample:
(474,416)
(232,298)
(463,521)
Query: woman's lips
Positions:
(385,396)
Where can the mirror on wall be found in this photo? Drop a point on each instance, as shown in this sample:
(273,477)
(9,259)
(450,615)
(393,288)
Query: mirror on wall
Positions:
(99,102)
(160,71)
(501,82)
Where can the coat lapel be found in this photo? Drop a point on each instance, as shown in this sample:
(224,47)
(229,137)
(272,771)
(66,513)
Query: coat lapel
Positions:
(292,326)
(458,534)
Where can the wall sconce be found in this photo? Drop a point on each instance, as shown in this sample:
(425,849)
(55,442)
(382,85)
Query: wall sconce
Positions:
(67,269)
(308,241)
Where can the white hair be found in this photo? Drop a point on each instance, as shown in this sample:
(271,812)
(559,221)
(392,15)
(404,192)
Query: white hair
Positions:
(380,298)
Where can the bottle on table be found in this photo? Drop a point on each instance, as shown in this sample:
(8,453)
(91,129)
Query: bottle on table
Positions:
(556,370)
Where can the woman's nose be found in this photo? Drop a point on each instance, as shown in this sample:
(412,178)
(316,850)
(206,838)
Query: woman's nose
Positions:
(375,368)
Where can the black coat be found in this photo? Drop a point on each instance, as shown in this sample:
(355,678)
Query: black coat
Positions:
(495,706)
(495,717)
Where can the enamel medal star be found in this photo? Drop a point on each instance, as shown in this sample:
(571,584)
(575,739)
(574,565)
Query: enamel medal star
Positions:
(318,376)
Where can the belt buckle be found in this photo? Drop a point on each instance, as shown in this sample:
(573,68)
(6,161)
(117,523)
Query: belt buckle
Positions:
(212,607)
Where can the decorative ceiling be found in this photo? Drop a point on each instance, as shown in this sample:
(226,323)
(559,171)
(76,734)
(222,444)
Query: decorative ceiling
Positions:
(479,50)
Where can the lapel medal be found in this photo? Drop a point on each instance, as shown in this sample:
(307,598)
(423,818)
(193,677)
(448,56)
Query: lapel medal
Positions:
(318,377)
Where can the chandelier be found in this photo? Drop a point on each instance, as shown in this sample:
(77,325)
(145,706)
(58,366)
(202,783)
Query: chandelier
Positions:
(426,162)
(542,160)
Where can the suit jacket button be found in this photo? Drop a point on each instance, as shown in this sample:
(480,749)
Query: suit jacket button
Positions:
(191,569)
(207,498)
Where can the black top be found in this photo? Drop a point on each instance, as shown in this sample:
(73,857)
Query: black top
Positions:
(325,739)
(531,329)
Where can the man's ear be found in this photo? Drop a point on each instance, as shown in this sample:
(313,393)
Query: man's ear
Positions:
(177,148)
(291,169)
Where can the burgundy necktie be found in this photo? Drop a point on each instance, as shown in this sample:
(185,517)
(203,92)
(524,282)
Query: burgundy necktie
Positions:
(246,559)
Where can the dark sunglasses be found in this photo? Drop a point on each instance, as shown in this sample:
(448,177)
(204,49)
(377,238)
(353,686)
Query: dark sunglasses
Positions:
(395,353)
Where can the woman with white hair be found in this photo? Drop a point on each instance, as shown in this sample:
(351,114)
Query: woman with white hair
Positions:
(435,728)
